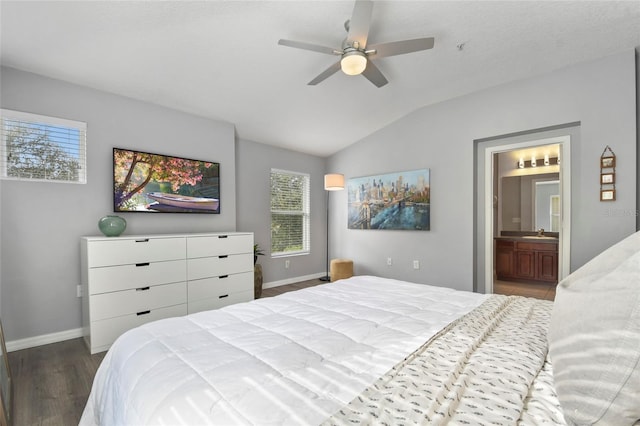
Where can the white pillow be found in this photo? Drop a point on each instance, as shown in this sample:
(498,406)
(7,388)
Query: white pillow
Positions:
(594,338)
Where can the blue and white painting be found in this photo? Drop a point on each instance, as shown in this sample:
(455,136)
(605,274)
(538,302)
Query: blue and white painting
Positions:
(390,201)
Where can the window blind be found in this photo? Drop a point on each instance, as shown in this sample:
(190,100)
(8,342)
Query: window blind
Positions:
(290,213)
(41,148)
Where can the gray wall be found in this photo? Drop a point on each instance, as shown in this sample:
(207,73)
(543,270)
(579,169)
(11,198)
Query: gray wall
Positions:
(254,162)
(600,95)
(42,222)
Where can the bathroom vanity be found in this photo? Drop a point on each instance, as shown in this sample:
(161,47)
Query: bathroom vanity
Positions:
(527,258)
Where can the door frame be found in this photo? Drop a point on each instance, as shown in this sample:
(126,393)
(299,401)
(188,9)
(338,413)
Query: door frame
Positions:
(564,242)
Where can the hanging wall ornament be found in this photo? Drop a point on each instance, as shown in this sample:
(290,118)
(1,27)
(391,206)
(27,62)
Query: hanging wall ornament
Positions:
(607,175)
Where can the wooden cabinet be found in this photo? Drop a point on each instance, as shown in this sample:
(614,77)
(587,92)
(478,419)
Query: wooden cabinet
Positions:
(504,259)
(547,266)
(129,281)
(525,264)
(526,260)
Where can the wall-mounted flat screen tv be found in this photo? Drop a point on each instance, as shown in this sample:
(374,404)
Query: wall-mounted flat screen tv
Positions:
(156,183)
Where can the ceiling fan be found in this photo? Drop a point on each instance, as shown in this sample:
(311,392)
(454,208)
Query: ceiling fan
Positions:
(355,54)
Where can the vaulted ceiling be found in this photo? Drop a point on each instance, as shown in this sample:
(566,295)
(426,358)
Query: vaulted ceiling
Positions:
(221,59)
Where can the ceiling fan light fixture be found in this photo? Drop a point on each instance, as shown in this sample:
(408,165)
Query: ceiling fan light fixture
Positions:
(353,62)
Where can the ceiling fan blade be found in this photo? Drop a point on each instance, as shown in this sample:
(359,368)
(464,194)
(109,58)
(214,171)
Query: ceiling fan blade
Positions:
(325,74)
(360,23)
(400,47)
(309,46)
(373,74)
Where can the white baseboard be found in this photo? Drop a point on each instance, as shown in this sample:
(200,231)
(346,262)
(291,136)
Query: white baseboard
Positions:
(45,339)
(293,280)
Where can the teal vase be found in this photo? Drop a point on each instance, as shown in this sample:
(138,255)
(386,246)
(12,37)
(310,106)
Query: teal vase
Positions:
(112,226)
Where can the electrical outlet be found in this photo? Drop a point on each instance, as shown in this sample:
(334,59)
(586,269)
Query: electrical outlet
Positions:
(416,264)
(286,264)
(389,261)
(78,291)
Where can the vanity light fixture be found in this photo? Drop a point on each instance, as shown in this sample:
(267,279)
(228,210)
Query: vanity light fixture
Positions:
(547,161)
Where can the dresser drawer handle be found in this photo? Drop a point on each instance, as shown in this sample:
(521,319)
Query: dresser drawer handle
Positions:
(223,236)
(142,264)
(223,296)
(142,288)
(223,257)
(223,276)
(143,313)
(143,240)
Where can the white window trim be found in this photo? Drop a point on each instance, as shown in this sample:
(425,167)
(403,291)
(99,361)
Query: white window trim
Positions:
(305,223)
(43,119)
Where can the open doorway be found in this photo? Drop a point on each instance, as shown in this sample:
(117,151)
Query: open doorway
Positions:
(527,225)
(527,229)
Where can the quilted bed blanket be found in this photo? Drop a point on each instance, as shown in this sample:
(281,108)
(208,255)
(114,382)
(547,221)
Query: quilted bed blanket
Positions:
(302,357)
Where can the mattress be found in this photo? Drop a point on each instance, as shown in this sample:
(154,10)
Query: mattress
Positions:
(293,359)
(314,356)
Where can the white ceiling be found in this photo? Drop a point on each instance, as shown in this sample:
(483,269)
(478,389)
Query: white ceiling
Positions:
(220,59)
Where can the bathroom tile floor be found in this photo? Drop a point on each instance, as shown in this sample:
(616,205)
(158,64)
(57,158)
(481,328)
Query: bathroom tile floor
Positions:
(537,290)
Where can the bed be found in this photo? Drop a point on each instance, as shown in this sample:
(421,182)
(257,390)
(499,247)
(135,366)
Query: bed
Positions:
(370,350)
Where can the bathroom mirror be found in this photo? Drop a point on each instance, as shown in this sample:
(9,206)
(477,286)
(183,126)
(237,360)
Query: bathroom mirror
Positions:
(530,202)
(546,214)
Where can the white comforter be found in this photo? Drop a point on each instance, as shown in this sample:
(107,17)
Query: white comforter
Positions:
(294,359)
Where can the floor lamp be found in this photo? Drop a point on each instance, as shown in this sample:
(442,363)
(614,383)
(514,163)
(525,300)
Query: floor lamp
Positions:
(332,182)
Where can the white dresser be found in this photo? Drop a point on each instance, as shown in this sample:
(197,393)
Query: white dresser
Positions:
(132,280)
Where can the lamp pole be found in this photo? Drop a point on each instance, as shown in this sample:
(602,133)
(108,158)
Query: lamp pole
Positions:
(327,278)
(332,182)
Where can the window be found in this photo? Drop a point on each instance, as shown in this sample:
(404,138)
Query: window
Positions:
(36,147)
(289,213)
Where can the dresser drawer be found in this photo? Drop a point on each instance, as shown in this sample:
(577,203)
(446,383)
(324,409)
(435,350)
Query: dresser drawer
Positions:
(219,302)
(219,286)
(207,267)
(217,245)
(109,305)
(105,332)
(123,251)
(125,277)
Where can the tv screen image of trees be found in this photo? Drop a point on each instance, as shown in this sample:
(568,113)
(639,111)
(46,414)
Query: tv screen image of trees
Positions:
(146,182)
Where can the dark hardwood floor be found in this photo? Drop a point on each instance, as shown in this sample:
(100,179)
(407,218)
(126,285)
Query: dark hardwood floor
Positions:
(270,292)
(52,382)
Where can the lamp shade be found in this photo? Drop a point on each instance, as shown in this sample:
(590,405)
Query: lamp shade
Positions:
(333,182)
(353,63)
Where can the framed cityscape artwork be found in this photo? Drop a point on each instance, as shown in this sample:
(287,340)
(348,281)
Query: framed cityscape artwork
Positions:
(390,201)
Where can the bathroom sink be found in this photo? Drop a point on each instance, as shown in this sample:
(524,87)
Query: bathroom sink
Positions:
(542,237)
